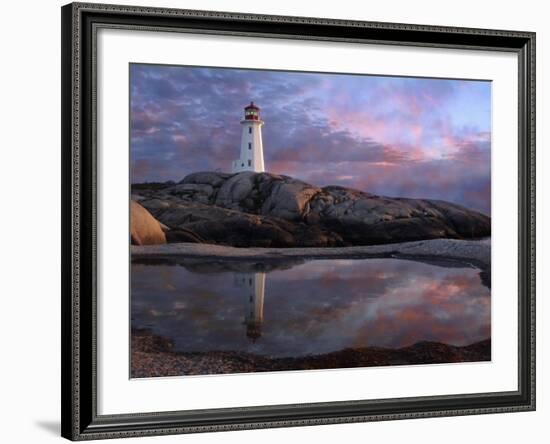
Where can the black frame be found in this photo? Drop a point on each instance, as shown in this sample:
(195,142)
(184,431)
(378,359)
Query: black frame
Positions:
(79,414)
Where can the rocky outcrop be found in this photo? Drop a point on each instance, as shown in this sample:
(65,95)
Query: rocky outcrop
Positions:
(267,210)
(144,228)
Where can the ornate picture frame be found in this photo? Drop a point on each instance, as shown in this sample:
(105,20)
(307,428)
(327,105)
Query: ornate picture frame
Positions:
(80,176)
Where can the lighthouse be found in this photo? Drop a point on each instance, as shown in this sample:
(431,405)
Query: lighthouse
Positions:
(252,151)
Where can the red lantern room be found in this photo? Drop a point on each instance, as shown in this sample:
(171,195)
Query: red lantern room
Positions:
(252,112)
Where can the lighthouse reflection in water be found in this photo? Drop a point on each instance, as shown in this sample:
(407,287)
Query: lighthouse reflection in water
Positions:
(253,285)
(309,308)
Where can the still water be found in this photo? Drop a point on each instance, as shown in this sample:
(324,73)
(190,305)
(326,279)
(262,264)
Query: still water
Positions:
(307,308)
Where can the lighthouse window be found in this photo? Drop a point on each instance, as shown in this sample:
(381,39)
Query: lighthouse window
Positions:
(249,162)
(249,130)
(249,145)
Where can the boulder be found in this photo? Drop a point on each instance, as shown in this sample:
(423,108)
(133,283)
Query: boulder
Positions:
(289,199)
(192,191)
(144,228)
(212,178)
(183,235)
(235,189)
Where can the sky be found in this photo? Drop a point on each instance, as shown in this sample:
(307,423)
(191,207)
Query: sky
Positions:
(392,136)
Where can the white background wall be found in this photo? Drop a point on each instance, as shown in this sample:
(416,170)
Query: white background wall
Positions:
(30,222)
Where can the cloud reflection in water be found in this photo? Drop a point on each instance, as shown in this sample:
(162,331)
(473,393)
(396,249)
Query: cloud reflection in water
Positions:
(316,307)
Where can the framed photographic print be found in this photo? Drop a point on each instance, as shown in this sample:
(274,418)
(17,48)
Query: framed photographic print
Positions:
(280,221)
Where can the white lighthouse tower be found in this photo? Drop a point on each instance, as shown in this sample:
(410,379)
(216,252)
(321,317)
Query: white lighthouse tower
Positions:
(252,151)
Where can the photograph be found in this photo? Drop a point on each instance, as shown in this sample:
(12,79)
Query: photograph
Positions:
(293,220)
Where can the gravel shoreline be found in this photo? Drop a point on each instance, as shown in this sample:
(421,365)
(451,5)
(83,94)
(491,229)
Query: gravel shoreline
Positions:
(153,356)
